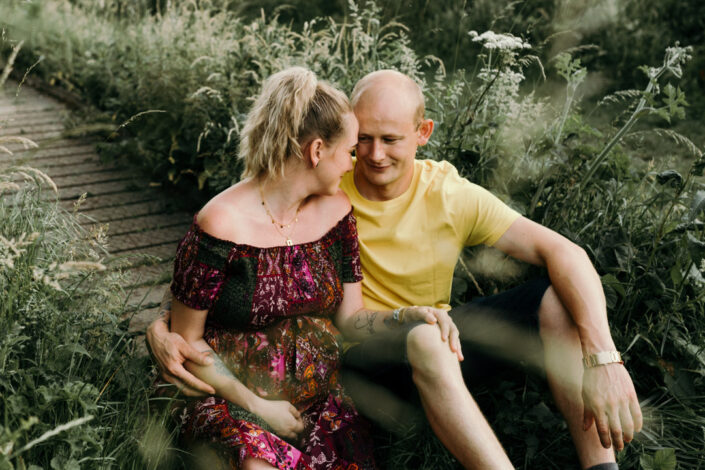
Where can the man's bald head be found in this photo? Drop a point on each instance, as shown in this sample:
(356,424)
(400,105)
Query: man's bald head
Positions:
(390,81)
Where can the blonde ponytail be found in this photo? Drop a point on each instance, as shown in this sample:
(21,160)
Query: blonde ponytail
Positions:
(293,108)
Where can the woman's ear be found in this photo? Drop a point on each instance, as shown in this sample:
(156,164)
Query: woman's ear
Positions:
(312,152)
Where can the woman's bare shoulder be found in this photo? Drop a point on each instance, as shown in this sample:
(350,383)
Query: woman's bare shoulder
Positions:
(224,215)
(336,206)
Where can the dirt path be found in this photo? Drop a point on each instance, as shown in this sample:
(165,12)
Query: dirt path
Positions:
(143,225)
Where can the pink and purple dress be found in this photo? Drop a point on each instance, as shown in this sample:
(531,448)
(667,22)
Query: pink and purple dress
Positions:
(269,320)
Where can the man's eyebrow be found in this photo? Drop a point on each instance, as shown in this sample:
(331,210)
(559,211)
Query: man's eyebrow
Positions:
(383,136)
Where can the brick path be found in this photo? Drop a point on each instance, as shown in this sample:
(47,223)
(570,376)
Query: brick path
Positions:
(143,226)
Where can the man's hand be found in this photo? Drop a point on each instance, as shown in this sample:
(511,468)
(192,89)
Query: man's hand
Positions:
(171,351)
(611,402)
(431,315)
(282,416)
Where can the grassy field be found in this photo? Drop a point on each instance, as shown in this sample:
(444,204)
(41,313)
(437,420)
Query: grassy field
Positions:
(551,113)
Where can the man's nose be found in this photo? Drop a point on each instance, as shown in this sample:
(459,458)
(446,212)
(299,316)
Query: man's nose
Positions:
(377,152)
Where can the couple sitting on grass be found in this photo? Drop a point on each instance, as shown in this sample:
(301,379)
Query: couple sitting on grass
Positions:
(272,273)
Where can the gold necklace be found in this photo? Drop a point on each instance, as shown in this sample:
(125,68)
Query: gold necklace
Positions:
(278,226)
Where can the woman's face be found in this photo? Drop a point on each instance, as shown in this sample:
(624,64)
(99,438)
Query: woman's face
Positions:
(336,157)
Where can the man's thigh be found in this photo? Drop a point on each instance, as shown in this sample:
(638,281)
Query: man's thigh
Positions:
(496,331)
(501,330)
(377,376)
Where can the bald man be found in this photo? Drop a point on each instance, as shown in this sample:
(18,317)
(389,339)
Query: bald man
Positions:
(414,218)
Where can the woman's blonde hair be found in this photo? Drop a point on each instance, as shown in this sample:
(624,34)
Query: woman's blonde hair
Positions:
(293,108)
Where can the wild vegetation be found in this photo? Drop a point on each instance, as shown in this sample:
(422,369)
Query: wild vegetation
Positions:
(540,121)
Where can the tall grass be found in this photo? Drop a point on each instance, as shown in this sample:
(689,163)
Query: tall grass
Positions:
(188,71)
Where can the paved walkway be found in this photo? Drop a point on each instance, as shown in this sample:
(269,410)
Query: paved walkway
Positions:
(144,226)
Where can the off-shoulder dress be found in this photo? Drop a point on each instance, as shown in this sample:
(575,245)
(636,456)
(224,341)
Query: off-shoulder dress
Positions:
(269,320)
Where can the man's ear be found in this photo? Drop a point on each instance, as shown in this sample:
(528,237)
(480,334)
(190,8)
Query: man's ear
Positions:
(312,152)
(424,132)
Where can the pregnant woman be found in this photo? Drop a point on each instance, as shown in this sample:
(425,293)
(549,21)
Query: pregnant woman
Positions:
(266,268)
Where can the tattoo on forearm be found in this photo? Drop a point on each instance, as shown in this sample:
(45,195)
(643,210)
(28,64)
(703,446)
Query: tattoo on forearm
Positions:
(366,320)
(219,365)
(390,323)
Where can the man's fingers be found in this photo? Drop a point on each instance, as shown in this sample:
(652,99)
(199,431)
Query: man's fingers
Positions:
(603,430)
(625,418)
(202,358)
(588,419)
(616,430)
(636,415)
(455,343)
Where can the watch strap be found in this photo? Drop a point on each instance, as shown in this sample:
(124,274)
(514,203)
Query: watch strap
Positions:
(602,358)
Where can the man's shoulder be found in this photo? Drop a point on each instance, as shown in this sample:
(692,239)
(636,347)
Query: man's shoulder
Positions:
(441,176)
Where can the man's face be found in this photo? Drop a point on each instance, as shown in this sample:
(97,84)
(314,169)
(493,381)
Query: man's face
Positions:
(387,142)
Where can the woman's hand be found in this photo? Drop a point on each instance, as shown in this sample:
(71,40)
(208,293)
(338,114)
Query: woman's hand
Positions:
(282,416)
(431,315)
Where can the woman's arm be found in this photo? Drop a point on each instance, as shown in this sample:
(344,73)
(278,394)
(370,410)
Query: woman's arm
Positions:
(357,323)
(281,415)
(170,351)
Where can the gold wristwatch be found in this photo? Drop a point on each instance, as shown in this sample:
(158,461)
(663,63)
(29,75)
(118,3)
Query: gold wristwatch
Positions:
(602,358)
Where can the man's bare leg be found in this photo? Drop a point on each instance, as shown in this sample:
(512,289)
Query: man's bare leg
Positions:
(564,372)
(452,412)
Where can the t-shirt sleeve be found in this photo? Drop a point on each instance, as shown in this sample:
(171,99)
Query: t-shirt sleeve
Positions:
(199,271)
(352,269)
(481,217)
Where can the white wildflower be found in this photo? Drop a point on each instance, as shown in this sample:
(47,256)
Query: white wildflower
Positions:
(492,40)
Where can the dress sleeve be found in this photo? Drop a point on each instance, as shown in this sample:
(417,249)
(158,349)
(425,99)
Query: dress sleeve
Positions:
(199,270)
(352,269)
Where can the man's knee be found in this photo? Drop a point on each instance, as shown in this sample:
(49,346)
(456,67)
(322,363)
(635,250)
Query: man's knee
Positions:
(428,354)
(554,318)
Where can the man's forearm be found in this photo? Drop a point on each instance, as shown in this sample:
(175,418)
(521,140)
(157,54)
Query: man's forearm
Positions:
(578,285)
(160,326)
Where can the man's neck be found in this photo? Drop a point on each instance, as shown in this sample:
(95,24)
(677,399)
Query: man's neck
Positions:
(381,193)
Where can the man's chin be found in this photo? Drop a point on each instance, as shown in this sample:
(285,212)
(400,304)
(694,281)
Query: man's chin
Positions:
(379,178)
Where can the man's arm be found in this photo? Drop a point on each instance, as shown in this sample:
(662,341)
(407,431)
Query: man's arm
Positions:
(608,391)
(170,351)
(357,323)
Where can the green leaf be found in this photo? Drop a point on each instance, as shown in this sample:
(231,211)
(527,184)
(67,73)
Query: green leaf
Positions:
(665,459)
(646,462)
(676,275)
(5,463)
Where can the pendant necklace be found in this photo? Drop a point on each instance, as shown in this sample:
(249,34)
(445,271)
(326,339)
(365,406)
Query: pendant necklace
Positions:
(281,228)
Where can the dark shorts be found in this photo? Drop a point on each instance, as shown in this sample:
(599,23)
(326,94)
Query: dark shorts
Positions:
(496,331)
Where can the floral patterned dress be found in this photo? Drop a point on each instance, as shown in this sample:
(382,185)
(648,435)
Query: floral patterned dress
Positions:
(269,320)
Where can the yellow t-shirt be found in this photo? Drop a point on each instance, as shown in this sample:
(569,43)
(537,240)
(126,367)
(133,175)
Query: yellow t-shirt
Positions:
(409,245)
